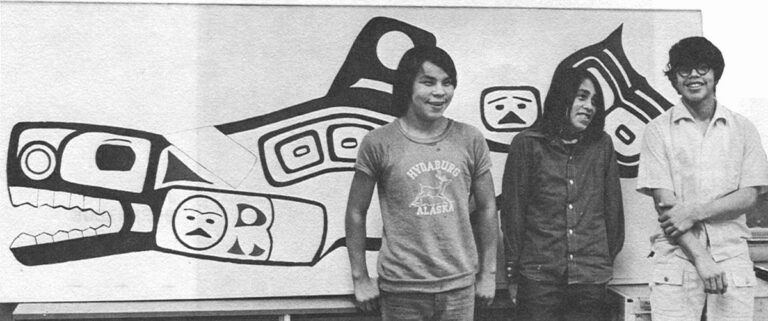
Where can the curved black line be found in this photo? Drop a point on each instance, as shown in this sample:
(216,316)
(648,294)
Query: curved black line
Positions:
(178,171)
(497,147)
(627,158)
(315,136)
(176,212)
(364,98)
(54,182)
(262,150)
(270,197)
(204,213)
(54,162)
(84,248)
(362,60)
(332,147)
(371,244)
(234,260)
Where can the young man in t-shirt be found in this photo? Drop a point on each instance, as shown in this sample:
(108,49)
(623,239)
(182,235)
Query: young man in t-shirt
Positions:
(425,166)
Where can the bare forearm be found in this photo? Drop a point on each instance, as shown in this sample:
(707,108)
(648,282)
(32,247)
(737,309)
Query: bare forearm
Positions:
(664,200)
(488,228)
(692,247)
(487,222)
(710,273)
(729,206)
(355,229)
(360,193)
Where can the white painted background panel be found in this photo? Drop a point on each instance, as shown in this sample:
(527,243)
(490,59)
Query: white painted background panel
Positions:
(168,69)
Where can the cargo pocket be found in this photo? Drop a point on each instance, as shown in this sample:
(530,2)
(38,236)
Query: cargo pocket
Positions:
(668,297)
(671,275)
(743,279)
(738,301)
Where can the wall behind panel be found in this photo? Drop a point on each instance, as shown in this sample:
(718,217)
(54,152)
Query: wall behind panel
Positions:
(229,111)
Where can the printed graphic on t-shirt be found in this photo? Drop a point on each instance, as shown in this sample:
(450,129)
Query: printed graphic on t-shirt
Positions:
(432,199)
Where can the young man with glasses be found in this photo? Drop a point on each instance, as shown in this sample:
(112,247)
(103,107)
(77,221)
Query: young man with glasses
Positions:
(704,166)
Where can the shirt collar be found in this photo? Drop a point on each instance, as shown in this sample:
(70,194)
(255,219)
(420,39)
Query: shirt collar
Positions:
(554,140)
(679,112)
(536,133)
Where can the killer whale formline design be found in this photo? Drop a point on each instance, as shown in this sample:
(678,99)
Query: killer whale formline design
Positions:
(172,181)
(631,101)
(142,191)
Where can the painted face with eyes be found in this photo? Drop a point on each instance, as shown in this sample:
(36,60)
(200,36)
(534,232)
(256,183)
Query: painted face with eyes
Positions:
(583,109)
(200,223)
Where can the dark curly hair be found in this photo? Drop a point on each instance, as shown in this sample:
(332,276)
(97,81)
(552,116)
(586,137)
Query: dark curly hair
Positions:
(692,51)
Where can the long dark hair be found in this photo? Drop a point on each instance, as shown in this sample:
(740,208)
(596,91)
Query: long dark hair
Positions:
(559,101)
(409,67)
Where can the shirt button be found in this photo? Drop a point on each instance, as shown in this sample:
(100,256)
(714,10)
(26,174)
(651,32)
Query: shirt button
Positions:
(570,206)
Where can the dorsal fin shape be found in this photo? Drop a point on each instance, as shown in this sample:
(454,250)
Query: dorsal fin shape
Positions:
(177,171)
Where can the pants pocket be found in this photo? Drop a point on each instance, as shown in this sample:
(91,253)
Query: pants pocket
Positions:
(668,297)
(739,299)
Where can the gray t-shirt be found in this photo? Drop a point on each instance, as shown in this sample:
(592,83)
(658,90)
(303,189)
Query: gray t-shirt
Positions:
(424,188)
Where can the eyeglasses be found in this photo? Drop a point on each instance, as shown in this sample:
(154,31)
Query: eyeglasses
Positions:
(701,69)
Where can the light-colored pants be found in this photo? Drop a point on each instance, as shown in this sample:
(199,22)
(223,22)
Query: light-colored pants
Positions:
(453,305)
(677,291)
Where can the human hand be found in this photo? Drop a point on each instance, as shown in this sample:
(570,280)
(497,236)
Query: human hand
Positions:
(366,294)
(485,290)
(676,220)
(712,275)
(512,288)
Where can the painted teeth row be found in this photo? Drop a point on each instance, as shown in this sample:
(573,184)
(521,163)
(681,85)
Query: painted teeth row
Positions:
(41,197)
(25,239)
(79,225)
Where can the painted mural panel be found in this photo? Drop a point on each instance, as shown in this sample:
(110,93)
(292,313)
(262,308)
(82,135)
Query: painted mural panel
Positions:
(206,151)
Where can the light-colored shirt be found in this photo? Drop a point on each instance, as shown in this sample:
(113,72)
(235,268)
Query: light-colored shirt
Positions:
(701,167)
(424,186)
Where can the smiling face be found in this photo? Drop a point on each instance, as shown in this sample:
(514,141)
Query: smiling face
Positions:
(583,109)
(695,87)
(432,93)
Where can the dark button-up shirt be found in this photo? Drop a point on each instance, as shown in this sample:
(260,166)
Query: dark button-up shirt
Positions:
(561,210)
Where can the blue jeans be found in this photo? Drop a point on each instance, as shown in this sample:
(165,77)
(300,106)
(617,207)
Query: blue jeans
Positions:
(553,301)
(452,305)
